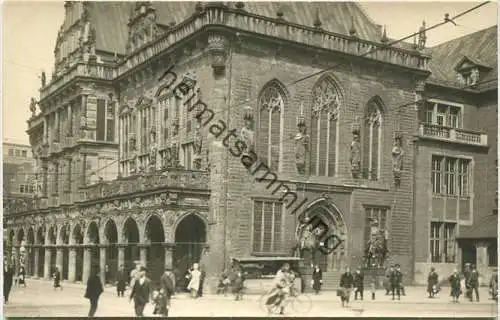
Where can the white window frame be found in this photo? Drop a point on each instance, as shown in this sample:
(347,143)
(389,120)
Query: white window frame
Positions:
(446,119)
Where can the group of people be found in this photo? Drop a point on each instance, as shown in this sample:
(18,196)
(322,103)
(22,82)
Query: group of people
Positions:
(234,279)
(12,278)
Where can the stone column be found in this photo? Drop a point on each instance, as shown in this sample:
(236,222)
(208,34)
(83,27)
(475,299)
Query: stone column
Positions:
(57,128)
(59,259)
(121,256)
(72,265)
(45,130)
(482,262)
(102,264)
(47,273)
(169,256)
(37,261)
(87,256)
(70,120)
(144,255)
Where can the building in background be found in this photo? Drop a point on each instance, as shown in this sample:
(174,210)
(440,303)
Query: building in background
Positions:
(129,172)
(18,172)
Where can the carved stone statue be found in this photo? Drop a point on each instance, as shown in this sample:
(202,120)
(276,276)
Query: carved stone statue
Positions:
(133,159)
(355,156)
(44,79)
(247,134)
(33,104)
(153,151)
(376,249)
(397,158)
(301,147)
(197,146)
(474,76)
(422,38)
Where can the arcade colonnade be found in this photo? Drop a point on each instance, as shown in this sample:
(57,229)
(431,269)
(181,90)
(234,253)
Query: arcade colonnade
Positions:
(76,248)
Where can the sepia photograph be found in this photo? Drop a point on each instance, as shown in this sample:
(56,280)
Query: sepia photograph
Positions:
(250,159)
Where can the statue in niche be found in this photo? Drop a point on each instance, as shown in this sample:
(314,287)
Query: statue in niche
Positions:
(153,150)
(133,159)
(33,104)
(207,160)
(355,156)
(301,146)
(197,146)
(247,134)
(474,76)
(397,158)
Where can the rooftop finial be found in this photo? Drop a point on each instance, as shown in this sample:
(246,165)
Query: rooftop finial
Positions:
(352,30)
(317,20)
(384,36)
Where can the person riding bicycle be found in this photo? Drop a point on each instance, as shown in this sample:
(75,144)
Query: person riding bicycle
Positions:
(283,283)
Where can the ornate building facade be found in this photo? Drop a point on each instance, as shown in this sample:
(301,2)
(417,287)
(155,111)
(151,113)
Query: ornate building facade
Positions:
(160,101)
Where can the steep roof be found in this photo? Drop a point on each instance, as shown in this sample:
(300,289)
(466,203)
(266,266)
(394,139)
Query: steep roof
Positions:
(480,46)
(110,18)
(484,228)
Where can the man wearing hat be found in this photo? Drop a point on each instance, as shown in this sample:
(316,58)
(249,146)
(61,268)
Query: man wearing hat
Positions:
(467,275)
(474,283)
(432,282)
(141,292)
(395,282)
(167,288)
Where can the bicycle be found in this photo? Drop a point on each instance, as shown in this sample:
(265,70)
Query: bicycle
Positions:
(300,303)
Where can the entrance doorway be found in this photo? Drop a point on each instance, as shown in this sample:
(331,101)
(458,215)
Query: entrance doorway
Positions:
(190,238)
(155,236)
(468,253)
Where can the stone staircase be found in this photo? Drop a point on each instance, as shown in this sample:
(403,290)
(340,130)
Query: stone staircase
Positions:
(331,280)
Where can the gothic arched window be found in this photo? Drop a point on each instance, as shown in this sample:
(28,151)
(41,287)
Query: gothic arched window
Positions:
(324,128)
(372,140)
(270,127)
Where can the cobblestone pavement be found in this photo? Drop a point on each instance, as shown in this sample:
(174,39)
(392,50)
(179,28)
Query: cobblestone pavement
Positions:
(40,299)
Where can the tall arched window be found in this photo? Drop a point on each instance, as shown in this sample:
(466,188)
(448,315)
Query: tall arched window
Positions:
(324,128)
(372,139)
(270,128)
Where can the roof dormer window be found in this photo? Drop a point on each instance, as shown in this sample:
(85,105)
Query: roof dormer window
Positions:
(469,71)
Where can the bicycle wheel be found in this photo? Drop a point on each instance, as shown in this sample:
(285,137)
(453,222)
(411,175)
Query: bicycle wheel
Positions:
(302,304)
(267,308)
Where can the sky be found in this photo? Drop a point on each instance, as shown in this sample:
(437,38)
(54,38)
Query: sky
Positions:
(29,31)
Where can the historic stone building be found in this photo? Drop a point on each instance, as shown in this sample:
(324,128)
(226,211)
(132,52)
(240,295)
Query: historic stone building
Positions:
(174,99)
(456,158)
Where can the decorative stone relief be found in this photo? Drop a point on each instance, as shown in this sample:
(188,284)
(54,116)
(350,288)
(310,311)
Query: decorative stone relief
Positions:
(133,152)
(153,150)
(247,136)
(218,49)
(197,146)
(301,144)
(355,156)
(397,158)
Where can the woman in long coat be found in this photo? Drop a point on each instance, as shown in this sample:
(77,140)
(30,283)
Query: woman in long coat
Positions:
(432,282)
(194,282)
(455,285)
(317,279)
(22,276)
(57,279)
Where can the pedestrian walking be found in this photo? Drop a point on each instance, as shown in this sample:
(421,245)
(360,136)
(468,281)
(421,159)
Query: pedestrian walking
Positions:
(317,279)
(401,286)
(395,279)
(432,282)
(141,292)
(134,274)
(167,289)
(121,281)
(93,291)
(455,285)
(22,277)
(346,283)
(57,279)
(194,282)
(202,280)
(8,275)
(373,285)
(238,283)
(359,286)
(467,272)
(474,283)
(224,282)
(494,285)
(387,282)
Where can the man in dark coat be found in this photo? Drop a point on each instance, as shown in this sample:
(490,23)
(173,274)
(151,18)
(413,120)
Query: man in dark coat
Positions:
(141,292)
(432,282)
(93,291)
(359,280)
(395,279)
(346,283)
(474,283)
(202,280)
(317,279)
(167,288)
(121,281)
(467,275)
(8,274)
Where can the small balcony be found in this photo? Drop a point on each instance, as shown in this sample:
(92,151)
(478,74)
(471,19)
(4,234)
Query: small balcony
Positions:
(455,135)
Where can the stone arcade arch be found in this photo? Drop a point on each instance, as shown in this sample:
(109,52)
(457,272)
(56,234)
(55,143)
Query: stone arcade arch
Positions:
(330,216)
(155,238)
(111,240)
(131,238)
(40,241)
(93,242)
(19,239)
(190,238)
(30,241)
(77,239)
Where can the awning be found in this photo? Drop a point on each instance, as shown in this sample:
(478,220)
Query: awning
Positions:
(484,228)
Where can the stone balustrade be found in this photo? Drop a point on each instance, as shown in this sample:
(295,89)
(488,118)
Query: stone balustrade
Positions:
(173,178)
(457,135)
(283,29)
